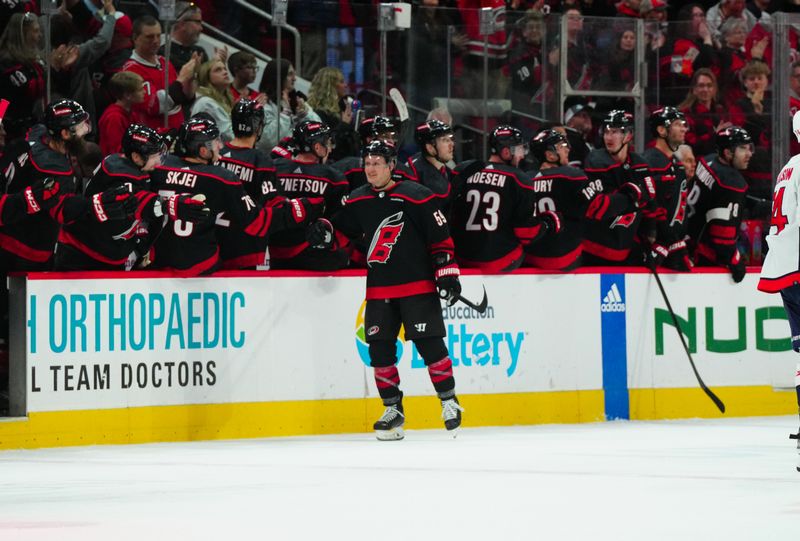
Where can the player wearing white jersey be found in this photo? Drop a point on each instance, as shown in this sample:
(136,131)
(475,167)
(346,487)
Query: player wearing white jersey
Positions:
(781,270)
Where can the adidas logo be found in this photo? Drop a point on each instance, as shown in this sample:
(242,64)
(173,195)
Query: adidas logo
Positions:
(612,302)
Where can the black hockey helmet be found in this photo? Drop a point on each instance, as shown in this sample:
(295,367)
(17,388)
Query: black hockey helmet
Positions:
(308,133)
(64,115)
(618,119)
(247,118)
(375,126)
(664,116)
(505,136)
(143,140)
(732,137)
(546,140)
(379,147)
(428,131)
(193,134)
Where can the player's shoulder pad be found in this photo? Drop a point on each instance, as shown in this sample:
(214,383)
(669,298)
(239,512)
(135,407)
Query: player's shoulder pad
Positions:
(598,159)
(48,161)
(363,191)
(638,162)
(347,163)
(466,166)
(416,192)
(119,165)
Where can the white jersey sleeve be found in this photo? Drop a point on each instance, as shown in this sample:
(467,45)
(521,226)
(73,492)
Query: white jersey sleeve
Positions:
(781,267)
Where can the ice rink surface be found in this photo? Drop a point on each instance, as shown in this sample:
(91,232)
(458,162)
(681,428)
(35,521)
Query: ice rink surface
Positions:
(708,480)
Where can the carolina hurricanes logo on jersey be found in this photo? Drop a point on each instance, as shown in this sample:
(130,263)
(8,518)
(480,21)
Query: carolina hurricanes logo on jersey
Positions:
(384,239)
(626,220)
(680,212)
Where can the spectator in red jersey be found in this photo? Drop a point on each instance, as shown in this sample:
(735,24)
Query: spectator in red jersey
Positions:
(127,88)
(704,114)
(629,8)
(146,61)
(244,68)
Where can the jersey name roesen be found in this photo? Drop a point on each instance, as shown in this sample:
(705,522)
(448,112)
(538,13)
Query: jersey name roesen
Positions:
(486,177)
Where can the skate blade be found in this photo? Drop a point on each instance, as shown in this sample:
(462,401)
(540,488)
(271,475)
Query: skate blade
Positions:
(390,435)
(454,432)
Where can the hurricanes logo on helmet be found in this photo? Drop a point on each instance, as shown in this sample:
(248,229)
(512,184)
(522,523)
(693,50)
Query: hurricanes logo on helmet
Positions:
(62,111)
(139,137)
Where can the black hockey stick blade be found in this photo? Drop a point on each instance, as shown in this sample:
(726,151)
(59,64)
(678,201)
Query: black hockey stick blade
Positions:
(480,307)
(714,398)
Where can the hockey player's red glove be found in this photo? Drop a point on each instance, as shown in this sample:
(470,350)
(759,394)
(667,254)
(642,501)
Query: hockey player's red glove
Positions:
(446,275)
(552,220)
(114,204)
(187,207)
(41,195)
(678,258)
(320,234)
(656,255)
(737,267)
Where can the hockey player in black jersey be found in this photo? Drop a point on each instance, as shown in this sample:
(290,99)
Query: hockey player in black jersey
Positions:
(28,245)
(256,171)
(558,187)
(192,249)
(429,166)
(668,126)
(309,175)
(119,244)
(612,234)
(410,256)
(370,129)
(494,215)
(716,201)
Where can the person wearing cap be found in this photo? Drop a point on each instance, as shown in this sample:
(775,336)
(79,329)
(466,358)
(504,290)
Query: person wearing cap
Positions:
(578,126)
(612,234)
(493,215)
(716,202)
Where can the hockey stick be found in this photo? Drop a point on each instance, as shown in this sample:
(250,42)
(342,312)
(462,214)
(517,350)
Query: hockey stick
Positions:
(480,307)
(714,398)
(400,104)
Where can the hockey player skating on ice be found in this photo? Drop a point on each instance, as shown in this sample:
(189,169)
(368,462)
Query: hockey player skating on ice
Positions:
(410,256)
(781,270)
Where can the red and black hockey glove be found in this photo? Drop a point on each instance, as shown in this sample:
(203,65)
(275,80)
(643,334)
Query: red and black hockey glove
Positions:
(305,209)
(114,204)
(187,207)
(737,267)
(656,255)
(678,258)
(446,273)
(320,234)
(551,220)
(41,195)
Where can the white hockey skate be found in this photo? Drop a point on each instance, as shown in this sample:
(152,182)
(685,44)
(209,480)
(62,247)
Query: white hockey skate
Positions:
(451,414)
(390,426)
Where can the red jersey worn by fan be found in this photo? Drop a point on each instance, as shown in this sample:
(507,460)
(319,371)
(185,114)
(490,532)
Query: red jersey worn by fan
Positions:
(151,111)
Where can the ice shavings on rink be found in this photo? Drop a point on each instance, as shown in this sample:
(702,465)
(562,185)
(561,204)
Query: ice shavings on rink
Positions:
(729,479)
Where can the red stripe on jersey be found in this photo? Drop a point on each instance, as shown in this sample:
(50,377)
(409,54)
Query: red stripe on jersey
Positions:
(407,198)
(527,234)
(554,263)
(198,269)
(69,239)
(706,251)
(722,231)
(401,290)
(24,251)
(2,204)
(287,252)
(774,285)
(717,178)
(445,246)
(611,254)
(260,225)
(49,172)
(496,265)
